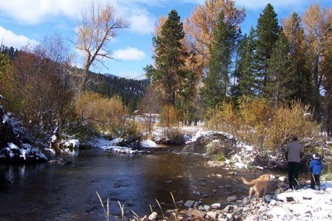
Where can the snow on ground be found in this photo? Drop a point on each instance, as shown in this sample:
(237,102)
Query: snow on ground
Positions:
(105,144)
(303,204)
(148,144)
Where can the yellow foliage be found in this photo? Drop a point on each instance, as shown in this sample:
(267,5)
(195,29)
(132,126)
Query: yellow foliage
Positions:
(105,114)
(287,121)
(169,116)
(223,117)
(260,125)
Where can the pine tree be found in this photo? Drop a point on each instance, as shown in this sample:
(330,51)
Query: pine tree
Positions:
(170,56)
(267,34)
(216,83)
(245,72)
(282,82)
(294,32)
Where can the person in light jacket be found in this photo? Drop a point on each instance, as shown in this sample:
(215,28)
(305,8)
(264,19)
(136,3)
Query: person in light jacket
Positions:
(315,169)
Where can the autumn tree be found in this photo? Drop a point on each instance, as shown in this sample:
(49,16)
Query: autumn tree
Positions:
(6,79)
(317,23)
(199,27)
(267,34)
(96,27)
(148,106)
(328,95)
(43,92)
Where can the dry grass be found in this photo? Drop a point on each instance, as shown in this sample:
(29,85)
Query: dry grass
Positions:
(135,217)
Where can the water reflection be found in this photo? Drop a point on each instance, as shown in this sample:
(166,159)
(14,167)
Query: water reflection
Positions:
(68,192)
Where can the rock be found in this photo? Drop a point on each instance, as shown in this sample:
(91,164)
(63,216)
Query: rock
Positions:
(189,203)
(207,207)
(216,206)
(228,209)
(211,214)
(215,163)
(231,198)
(211,142)
(153,216)
(251,217)
(282,178)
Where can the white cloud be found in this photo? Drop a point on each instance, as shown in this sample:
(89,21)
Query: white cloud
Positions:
(9,38)
(39,11)
(132,54)
(141,22)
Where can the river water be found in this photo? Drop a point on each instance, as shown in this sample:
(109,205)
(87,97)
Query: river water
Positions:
(137,182)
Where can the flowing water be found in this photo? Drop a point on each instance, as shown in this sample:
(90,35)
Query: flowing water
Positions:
(68,192)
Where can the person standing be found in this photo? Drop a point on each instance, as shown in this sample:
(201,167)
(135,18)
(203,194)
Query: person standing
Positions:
(294,152)
(315,169)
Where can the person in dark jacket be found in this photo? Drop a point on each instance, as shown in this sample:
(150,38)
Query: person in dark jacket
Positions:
(315,169)
(294,152)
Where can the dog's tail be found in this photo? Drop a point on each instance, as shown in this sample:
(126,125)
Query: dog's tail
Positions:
(245,181)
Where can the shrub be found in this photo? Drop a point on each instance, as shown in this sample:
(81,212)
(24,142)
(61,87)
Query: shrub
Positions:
(289,120)
(223,118)
(257,123)
(108,116)
(174,136)
(129,132)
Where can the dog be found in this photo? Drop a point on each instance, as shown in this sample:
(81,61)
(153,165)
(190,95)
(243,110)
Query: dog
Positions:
(258,185)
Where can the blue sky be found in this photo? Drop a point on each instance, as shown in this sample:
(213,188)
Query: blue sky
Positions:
(30,21)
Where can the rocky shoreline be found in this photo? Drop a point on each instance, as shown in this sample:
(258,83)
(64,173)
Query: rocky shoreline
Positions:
(284,204)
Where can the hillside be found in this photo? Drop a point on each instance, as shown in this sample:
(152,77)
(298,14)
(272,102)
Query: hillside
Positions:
(131,91)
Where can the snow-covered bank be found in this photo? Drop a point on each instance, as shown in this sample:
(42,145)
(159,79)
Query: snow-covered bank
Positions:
(112,145)
(300,205)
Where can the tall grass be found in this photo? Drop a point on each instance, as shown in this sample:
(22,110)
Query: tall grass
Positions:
(107,209)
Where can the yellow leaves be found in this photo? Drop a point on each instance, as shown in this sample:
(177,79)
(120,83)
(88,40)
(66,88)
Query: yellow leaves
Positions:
(288,120)
(260,125)
(223,117)
(169,116)
(317,23)
(203,20)
(102,112)
(161,22)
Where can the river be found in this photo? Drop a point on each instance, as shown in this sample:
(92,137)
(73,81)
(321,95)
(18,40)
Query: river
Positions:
(68,192)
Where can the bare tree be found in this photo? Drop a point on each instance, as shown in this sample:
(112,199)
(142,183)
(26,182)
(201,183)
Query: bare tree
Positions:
(96,27)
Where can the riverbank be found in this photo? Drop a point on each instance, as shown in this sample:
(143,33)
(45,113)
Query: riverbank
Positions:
(285,204)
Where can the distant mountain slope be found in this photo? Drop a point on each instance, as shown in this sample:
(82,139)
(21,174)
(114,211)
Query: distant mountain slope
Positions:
(131,91)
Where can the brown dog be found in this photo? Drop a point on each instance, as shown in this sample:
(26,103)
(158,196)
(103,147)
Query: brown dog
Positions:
(258,185)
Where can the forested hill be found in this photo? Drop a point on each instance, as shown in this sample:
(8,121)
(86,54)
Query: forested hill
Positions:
(131,91)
